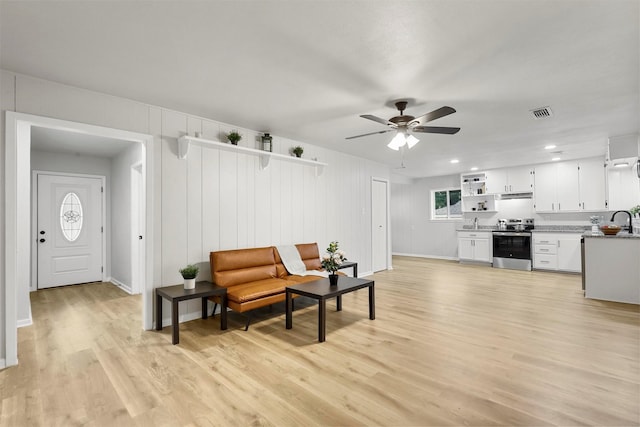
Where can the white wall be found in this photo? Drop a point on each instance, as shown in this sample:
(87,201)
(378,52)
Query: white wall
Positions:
(413,231)
(120,214)
(215,199)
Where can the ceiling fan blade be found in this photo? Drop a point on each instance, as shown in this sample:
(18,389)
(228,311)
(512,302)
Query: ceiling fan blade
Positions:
(435,129)
(371,133)
(435,114)
(378,119)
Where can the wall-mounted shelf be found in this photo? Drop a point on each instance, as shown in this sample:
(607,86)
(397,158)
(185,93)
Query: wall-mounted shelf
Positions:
(265,156)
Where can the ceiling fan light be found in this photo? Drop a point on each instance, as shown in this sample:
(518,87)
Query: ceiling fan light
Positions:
(397,141)
(412,140)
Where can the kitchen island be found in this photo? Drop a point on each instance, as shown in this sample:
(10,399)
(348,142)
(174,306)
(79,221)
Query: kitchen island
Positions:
(612,267)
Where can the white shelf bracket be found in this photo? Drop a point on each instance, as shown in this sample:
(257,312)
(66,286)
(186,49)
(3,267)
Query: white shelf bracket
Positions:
(264,161)
(183,147)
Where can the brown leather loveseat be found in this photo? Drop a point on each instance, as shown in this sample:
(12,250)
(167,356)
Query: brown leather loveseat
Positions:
(256,277)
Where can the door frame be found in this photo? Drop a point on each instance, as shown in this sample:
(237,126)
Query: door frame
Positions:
(34,221)
(17,243)
(388,225)
(138,221)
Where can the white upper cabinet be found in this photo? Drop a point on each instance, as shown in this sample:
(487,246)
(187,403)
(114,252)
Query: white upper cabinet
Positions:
(509,180)
(624,188)
(556,187)
(571,186)
(496,181)
(593,194)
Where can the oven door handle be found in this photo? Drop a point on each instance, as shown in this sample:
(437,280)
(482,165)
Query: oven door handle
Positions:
(514,234)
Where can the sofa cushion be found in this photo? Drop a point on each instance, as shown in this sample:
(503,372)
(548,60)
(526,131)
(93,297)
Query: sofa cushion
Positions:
(256,290)
(239,266)
(310,255)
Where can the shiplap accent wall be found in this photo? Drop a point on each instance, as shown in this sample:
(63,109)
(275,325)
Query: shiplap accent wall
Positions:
(216,199)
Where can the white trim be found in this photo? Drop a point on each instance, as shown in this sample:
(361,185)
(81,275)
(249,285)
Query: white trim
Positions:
(25,322)
(138,215)
(2,364)
(18,205)
(388,225)
(446,258)
(119,284)
(432,200)
(34,221)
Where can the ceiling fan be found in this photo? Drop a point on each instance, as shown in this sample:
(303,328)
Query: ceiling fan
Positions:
(406,125)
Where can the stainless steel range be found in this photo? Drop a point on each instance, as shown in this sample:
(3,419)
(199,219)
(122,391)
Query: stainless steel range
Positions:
(512,244)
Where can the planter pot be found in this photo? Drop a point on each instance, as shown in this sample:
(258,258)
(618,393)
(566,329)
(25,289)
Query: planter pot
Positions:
(333,280)
(189,283)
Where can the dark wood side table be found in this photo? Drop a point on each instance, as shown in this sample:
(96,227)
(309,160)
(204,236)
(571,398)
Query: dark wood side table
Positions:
(321,291)
(350,264)
(178,293)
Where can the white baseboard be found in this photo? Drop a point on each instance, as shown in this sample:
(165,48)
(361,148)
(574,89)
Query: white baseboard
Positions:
(367,273)
(446,258)
(21,323)
(121,285)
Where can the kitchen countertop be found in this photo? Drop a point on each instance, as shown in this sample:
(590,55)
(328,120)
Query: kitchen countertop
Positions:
(620,235)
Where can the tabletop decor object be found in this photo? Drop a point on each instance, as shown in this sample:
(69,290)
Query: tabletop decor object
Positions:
(189,274)
(331,262)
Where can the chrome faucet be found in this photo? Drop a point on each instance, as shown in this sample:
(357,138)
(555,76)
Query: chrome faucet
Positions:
(475,223)
(630,219)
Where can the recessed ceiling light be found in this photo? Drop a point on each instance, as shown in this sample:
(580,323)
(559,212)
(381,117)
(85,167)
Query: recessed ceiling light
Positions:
(621,165)
(455,161)
(555,159)
(549,147)
(474,168)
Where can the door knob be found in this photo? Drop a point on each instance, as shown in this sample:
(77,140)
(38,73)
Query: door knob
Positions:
(42,240)
(41,231)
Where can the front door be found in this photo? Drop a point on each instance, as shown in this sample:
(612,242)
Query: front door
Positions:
(69,230)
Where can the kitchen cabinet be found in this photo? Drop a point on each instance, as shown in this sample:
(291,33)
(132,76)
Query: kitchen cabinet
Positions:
(474,194)
(509,180)
(557,251)
(592,181)
(474,246)
(612,270)
(624,188)
(571,186)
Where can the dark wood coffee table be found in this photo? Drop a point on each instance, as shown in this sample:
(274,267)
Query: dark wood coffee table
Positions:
(322,291)
(178,293)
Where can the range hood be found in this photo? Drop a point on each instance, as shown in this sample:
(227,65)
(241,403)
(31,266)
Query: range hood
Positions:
(510,196)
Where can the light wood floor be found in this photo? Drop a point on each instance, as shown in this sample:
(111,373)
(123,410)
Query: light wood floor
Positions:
(451,345)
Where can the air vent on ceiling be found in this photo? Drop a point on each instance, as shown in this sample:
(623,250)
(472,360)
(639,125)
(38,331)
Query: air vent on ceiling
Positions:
(542,113)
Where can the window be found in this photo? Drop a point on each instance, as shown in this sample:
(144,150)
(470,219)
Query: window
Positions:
(71,217)
(446,204)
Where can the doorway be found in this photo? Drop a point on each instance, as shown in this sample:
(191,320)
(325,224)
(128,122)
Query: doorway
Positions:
(380,224)
(17,202)
(69,229)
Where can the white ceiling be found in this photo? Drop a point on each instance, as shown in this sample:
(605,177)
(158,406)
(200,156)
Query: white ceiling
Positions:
(306,70)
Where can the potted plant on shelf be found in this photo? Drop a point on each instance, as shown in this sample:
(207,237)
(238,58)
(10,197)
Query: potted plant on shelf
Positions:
(189,274)
(297,150)
(332,261)
(234,137)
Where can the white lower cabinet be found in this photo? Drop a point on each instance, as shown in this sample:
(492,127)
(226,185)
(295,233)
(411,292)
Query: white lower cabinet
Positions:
(474,246)
(557,251)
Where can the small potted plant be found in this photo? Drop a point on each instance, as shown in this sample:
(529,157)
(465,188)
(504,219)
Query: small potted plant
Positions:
(189,274)
(332,261)
(234,137)
(297,150)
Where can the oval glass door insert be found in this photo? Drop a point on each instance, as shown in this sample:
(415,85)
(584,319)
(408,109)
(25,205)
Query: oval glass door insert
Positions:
(71,216)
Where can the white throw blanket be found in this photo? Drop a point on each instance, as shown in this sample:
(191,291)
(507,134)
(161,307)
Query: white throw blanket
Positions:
(293,262)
